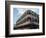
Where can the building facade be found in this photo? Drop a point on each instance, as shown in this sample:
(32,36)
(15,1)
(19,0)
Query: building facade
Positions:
(29,20)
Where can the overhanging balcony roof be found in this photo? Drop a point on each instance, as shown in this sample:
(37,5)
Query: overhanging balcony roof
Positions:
(26,23)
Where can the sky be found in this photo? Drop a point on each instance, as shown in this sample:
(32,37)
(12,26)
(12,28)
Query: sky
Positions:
(17,13)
